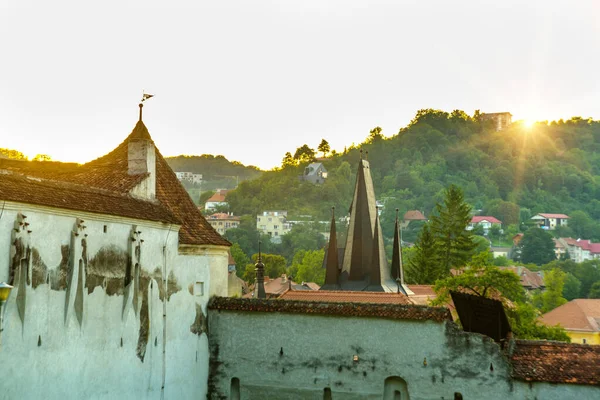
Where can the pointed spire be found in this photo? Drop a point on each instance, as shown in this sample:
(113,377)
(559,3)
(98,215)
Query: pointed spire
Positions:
(375,273)
(397,267)
(259,287)
(332,269)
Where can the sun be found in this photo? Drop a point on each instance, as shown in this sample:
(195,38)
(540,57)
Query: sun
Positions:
(528,123)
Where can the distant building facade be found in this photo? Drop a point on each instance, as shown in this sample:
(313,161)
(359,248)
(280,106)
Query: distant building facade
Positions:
(315,173)
(580,318)
(501,119)
(189,177)
(485,221)
(550,221)
(222,222)
(580,250)
(274,224)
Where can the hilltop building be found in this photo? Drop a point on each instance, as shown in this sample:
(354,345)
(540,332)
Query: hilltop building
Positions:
(112,267)
(315,173)
(580,250)
(222,222)
(550,221)
(274,224)
(216,200)
(189,177)
(501,119)
(484,221)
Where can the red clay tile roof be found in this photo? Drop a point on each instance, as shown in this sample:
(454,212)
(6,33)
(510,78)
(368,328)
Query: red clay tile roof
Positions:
(528,278)
(110,172)
(578,314)
(346,296)
(422,290)
(70,196)
(479,218)
(216,198)
(414,215)
(369,310)
(563,216)
(556,362)
(588,245)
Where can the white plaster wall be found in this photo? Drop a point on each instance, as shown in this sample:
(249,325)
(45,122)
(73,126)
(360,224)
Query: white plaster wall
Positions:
(50,359)
(296,356)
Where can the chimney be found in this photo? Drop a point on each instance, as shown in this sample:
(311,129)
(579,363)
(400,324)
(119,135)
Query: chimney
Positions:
(141,159)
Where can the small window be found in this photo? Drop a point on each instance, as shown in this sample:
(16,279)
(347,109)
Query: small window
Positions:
(584,341)
(327,394)
(105,228)
(199,289)
(234,390)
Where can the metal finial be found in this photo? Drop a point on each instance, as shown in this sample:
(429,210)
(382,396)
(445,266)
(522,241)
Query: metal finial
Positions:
(397,214)
(332,212)
(259,256)
(141,106)
(367,155)
(361,153)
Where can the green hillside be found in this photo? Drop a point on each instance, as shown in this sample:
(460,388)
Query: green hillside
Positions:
(511,174)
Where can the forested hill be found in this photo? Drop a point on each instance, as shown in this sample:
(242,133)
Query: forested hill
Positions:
(511,174)
(213,167)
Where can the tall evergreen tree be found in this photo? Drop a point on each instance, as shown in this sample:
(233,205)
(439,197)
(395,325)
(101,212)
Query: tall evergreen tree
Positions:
(424,266)
(454,245)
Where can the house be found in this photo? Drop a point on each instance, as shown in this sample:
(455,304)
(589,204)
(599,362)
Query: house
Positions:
(550,221)
(277,287)
(222,222)
(412,215)
(580,250)
(315,173)
(560,249)
(112,267)
(485,221)
(501,119)
(530,280)
(216,200)
(189,177)
(274,224)
(579,317)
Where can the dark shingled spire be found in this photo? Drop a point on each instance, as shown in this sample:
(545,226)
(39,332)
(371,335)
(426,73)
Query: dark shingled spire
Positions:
(397,267)
(332,268)
(259,287)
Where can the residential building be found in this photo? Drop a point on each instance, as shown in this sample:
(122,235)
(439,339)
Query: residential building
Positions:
(531,281)
(550,221)
(484,221)
(315,173)
(274,224)
(112,267)
(277,287)
(501,119)
(579,317)
(222,222)
(216,200)
(189,177)
(412,215)
(580,250)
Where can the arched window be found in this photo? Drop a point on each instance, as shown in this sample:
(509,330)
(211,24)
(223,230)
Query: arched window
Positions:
(327,394)
(234,390)
(395,388)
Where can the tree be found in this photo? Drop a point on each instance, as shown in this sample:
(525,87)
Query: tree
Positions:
(423,266)
(288,160)
(241,259)
(275,264)
(301,237)
(42,157)
(304,154)
(311,268)
(324,147)
(454,245)
(551,298)
(581,224)
(12,154)
(572,287)
(594,291)
(537,247)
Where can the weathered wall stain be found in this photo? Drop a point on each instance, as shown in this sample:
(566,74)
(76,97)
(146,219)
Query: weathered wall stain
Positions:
(58,276)
(107,269)
(198,327)
(39,270)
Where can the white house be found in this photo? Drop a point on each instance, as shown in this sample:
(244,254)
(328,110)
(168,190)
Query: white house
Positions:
(112,267)
(189,177)
(550,221)
(485,221)
(216,200)
(274,224)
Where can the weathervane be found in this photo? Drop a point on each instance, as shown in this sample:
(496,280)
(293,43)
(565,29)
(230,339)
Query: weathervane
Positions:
(145,96)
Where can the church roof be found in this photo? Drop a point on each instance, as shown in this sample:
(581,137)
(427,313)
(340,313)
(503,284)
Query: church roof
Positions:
(105,179)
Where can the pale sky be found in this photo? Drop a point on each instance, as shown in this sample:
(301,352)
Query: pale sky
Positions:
(253,79)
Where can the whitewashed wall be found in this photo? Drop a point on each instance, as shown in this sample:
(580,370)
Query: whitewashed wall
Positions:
(50,356)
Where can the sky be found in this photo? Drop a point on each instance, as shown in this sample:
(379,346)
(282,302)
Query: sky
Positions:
(251,80)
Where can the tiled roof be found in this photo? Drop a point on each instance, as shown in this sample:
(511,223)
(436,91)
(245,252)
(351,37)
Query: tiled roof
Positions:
(578,314)
(556,362)
(18,188)
(218,197)
(528,278)
(389,311)
(562,216)
(414,215)
(346,296)
(110,173)
(422,290)
(480,218)
(223,216)
(588,245)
